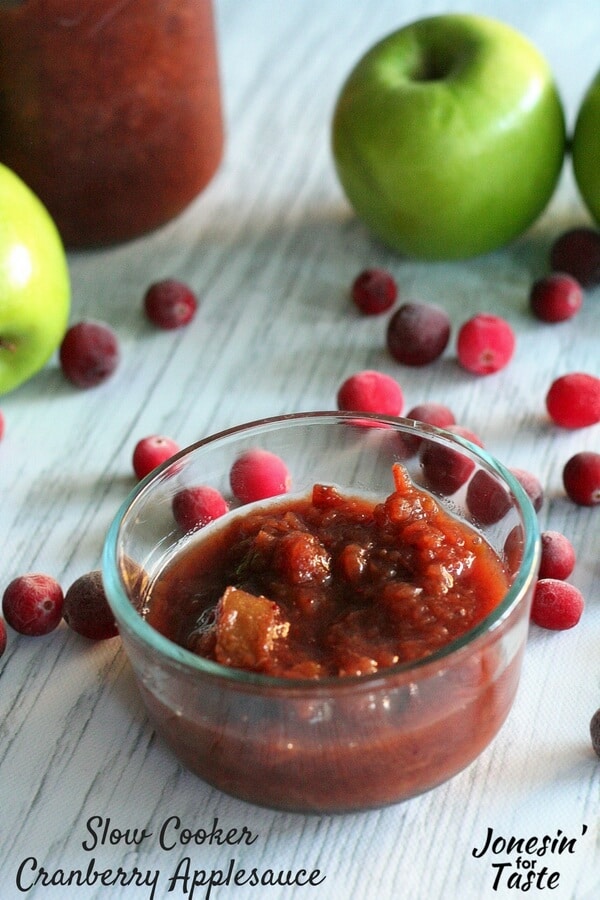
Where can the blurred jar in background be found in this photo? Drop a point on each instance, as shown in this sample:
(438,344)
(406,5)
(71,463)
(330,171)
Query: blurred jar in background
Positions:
(110,110)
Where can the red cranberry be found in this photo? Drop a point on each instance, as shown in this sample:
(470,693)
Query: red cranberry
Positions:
(531,485)
(465,433)
(581,478)
(33,604)
(573,400)
(372,392)
(195,507)
(558,556)
(89,353)
(430,413)
(556,604)
(374,291)
(86,609)
(258,474)
(418,333)
(485,344)
(577,252)
(487,499)
(3,637)
(152,451)
(170,303)
(556,297)
(513,548)
(445,469)
(2,424)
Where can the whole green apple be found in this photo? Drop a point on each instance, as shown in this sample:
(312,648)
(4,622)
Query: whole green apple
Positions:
(35,290)
(585,148)
(448,136)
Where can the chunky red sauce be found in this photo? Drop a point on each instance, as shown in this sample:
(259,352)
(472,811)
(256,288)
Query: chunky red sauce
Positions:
(329,585)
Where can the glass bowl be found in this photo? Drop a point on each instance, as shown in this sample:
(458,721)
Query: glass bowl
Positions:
(332,744)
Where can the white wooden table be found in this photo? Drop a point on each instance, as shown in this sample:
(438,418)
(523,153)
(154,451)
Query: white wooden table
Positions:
(271,248)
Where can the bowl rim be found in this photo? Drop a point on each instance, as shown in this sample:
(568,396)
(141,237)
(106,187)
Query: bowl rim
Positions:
(145,634)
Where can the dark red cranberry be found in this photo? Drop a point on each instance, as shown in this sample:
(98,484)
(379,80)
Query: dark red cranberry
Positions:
(581,478)
(374,291)
(577,252)
(487,499)
(170,303)
(556,297)
(89,353)
(86,609)
(418,333)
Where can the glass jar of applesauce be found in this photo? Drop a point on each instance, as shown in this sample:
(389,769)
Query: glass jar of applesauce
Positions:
(110,110)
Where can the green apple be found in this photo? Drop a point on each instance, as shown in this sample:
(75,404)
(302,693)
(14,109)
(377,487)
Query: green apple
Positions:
(585,148)
(448,136)
(35,289)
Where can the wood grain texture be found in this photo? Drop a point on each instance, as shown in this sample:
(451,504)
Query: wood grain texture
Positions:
(271,248)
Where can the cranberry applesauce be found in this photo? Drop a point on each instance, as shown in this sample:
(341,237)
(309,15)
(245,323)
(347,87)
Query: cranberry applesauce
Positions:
(329,585)
(330,612)
(110,112)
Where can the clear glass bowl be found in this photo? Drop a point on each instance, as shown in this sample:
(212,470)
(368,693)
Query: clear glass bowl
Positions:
(332,744)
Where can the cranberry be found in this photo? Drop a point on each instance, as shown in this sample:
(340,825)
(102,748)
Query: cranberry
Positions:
(487,500)
(581,478)
(577,252)
(595,732)
(531,485)
(445,469)
(89,353)
(33,604)
(573,400)
(432,413)
(485,344)
(466,434)
(513,548)
(258,474)
(374,291)
(170,303)
(2,424)
(418,333)
(372,392)
(555,297)
(151,451)
(86,609)
(558,556)
(3,637)
(195,507)
(556,604)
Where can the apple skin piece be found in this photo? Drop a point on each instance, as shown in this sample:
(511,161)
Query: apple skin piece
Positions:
(35,288)
(448,136)
(585,149)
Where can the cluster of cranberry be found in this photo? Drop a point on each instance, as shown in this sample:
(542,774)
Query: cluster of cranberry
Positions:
(34,604)
(89,352)
(418,333)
